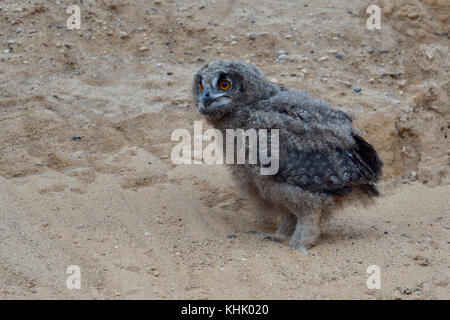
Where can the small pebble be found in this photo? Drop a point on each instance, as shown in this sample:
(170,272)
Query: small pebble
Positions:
(251,36)
(154,272)
(402,83)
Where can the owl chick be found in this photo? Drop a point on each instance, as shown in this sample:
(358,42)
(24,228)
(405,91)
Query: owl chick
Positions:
(322,159)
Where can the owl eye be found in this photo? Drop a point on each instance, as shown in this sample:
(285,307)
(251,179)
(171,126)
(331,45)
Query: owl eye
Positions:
(224,85)
(200,86)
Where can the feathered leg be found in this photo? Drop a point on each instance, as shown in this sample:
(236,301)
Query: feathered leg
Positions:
(307,231)
(285,229)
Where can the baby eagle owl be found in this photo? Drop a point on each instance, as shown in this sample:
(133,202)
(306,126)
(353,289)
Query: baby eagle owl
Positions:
(322,159)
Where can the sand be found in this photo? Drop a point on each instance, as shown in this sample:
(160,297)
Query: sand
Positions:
(86,178)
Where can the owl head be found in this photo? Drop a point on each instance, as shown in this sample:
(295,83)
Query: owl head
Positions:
(223,86)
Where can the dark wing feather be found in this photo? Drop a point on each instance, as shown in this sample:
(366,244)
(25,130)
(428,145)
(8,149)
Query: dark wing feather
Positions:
(334,172)
(367,158)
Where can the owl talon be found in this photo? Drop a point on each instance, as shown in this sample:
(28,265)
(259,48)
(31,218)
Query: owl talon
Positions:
(302,250)
(274,237)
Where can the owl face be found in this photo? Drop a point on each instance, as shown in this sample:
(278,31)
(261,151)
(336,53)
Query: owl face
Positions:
(217,90)
(224,86)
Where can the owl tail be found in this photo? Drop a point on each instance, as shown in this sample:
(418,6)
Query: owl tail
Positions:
(368,158)
(369,163)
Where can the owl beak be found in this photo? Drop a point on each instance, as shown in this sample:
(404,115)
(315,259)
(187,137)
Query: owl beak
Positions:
(209,98)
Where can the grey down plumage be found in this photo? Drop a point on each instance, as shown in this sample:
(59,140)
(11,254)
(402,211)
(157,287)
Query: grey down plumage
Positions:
(322,158)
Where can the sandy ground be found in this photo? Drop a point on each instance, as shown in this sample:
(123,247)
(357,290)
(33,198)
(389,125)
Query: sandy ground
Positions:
(86,178)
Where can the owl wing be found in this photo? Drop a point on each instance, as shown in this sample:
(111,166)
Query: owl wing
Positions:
(320,152)
(333,172)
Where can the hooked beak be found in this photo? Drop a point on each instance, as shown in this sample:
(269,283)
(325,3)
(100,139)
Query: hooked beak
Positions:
(208,98)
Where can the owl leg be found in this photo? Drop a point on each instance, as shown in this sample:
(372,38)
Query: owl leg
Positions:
(285,229)
(307,232)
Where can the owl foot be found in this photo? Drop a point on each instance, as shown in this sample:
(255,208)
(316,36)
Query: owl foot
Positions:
(301,249)
(275,237)
(306,233)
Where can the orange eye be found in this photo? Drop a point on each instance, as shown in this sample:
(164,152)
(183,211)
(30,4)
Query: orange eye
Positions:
(224,85)
(201,87)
